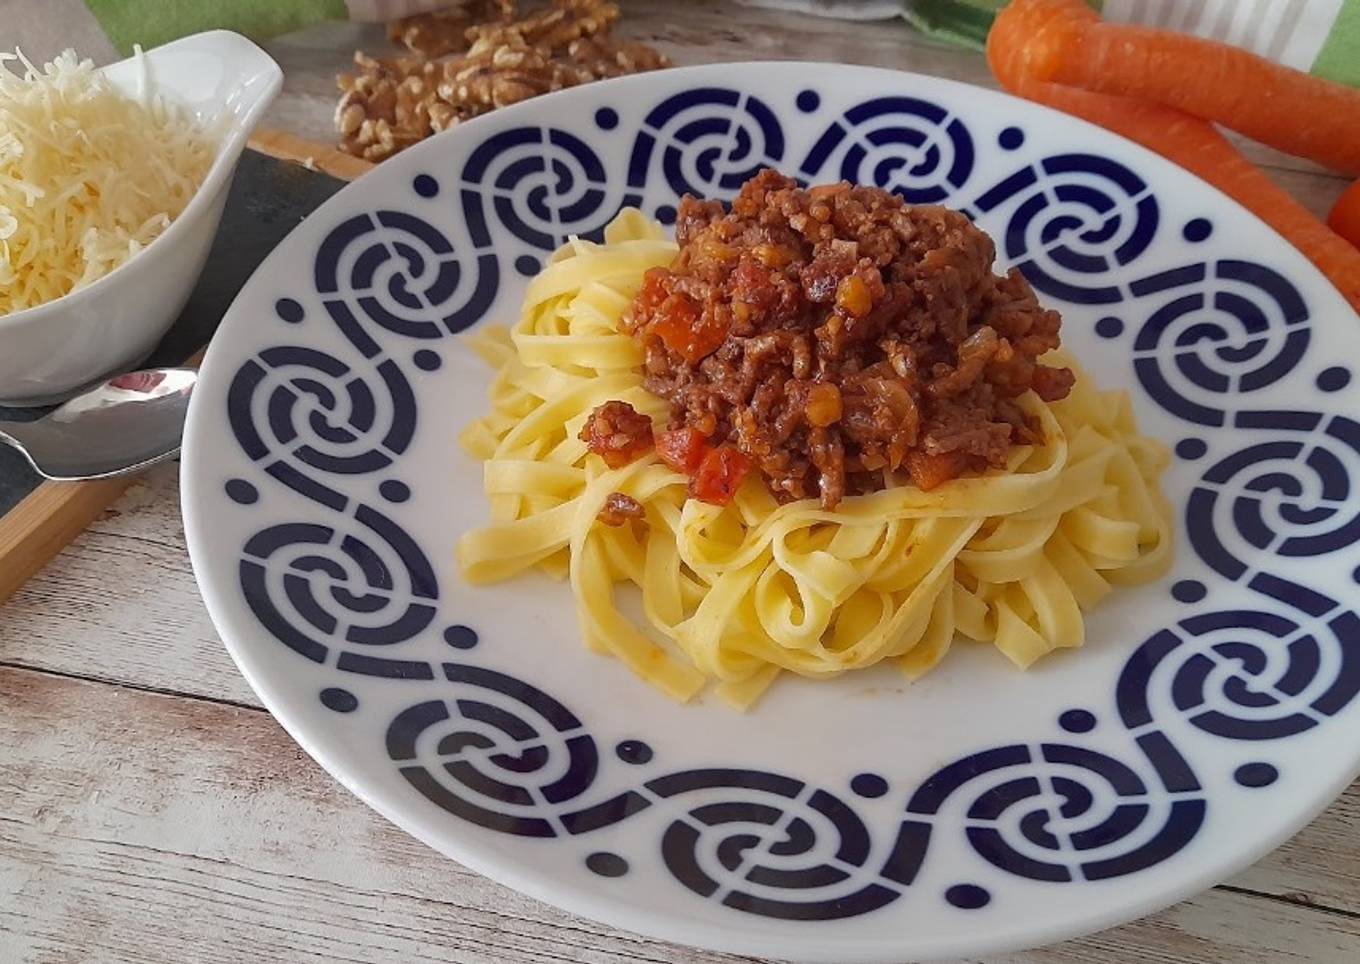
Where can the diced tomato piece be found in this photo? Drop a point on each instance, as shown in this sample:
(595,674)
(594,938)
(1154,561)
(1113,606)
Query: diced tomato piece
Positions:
(928,471)
(685,331)
(655,290)
(719,475)
(682,449)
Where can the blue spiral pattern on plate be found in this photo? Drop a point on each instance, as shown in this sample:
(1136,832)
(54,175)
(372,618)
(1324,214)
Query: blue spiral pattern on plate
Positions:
(348,589)
(540,184)
(707,142)
(902,144)
(1074,221)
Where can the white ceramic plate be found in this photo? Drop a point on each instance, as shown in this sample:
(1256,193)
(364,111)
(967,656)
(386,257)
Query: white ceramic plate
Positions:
(1209,717)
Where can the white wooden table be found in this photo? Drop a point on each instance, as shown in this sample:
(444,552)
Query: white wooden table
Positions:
(151,811)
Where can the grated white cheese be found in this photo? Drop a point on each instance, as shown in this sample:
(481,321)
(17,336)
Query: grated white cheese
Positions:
(88,176)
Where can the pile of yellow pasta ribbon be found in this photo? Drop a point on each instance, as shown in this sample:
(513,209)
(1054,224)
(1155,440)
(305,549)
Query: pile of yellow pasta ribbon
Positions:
(738,593)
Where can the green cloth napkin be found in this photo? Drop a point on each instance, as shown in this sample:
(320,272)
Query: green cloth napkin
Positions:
(151,24)
(105,30)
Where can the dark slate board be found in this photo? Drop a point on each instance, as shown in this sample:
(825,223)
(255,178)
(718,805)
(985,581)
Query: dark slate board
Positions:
(268,198)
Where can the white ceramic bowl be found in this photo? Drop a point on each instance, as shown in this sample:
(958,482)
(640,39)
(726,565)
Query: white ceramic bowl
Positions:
(50,351)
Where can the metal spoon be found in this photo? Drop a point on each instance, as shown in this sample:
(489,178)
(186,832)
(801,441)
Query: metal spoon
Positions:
(128,423)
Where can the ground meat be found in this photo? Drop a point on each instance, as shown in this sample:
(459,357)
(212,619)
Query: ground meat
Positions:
(843,340)
(619,508)
(617,433)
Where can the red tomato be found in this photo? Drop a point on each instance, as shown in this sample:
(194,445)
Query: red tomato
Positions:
(685,331)
(719,475)
(682,449)
(652,293)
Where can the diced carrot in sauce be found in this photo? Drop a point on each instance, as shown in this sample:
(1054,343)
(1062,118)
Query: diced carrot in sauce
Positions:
(773,255)
(853,296)
(682,449)
(823,406)
(719,475)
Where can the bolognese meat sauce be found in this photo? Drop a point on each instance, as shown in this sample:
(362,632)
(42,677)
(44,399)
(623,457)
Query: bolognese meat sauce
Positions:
(835,337)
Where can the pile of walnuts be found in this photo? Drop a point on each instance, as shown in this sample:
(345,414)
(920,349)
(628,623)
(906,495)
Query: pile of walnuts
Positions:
(473,58)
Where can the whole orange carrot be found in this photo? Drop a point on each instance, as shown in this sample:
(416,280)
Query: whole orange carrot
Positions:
(1189,141)
(1021,28)
(1271,103)
(1345,216)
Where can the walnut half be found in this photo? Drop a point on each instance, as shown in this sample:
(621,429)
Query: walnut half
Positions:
(388,105)
(441,32)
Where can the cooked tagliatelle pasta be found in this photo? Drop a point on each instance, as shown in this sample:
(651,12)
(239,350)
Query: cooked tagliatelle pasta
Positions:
(737,593)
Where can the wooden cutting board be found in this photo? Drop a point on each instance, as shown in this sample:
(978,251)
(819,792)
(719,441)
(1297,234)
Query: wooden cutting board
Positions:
(45,520)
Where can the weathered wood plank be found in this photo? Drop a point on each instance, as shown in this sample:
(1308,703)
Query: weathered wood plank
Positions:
(121,604)
(148,828)
(1219,925)
(47,519)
